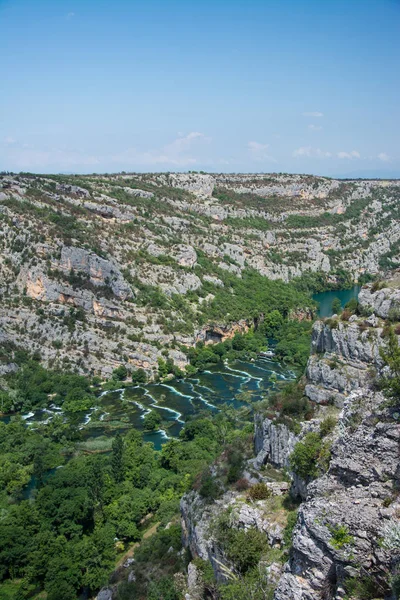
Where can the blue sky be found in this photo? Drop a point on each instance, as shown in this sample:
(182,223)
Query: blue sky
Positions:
(258,85)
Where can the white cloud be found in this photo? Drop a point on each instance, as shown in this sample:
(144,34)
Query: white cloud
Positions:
(309,152)
(352,154)
(9,140)
(384,157)
(70,15)
(259,152)
(315,127)
(176,153)
(313,114)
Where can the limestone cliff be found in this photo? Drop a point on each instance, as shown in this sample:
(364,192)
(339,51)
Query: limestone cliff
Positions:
(97,262)
(340,540)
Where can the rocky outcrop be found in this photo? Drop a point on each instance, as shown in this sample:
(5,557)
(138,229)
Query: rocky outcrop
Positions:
(99,270)
(65,188)
(213,334)
(342,521)
(197,183)
(345,356)
(382,301)
(273,443)
(199,518)
(340,525)
(91,243)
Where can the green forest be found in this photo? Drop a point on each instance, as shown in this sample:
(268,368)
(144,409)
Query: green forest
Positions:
(67,517)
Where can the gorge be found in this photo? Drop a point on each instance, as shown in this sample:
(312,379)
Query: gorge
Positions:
(131,296)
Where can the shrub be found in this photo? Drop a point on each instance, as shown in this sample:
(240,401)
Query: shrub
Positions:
(340,536)
(363,588)
(291,401)
(394,314)
(336,306)
(327,426)
(245,548)
(377,285)
(242,485)
(209,487)
(332,323)
(120,373)
(139,376)
(346,314)
(259,491)
(288,531)
(304,458)
(351,305)
(235,462)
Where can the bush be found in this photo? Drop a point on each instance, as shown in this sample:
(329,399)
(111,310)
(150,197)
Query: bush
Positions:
(139,376)
(245,548)
(351,305)
(346,314)
(235,462)
(304,458)
(242,485)
(332,323)
(327,426)
(259,491)
(340,536)
(120,373)
(362,588)
(152,421)
(394,314)
(209,487)
(288,531)
(292,402)
(336,306)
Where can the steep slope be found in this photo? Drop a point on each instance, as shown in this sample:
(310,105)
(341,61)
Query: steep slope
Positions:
(96,271)
(343,465)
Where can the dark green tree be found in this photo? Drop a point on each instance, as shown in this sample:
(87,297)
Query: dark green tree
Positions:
(117,465)
(336,306)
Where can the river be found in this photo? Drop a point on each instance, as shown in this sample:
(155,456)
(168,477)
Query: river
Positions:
(236,384)
(325,299)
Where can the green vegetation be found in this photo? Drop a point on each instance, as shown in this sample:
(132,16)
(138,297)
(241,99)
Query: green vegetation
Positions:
(340,536)
(152,421)
(363,587)
(233,301)
(391,356)
(36,387)
(290,404)
(63,539)
(259,491)
(336,306)
(311,455)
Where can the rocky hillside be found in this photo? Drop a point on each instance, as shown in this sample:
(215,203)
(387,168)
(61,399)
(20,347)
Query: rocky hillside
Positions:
(343,465)
(96,271)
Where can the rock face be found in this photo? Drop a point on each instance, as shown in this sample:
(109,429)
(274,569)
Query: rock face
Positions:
(96,262)
(99,270)
(344,357)
(211,334)
(351,498)
(381,302)
(196,183)
(341,522)
(347,511)
(273,443)
(198,518)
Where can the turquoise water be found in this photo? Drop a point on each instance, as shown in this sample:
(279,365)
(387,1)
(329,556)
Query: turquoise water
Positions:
(237,384)
(325,299)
